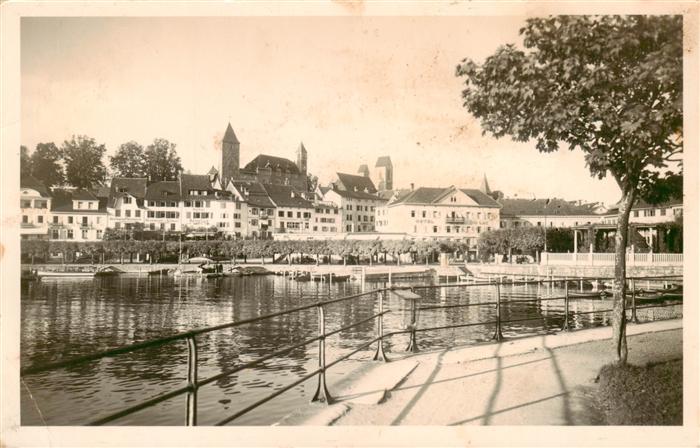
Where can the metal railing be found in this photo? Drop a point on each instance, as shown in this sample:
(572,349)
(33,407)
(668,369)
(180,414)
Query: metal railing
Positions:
(194,384)
(322,393)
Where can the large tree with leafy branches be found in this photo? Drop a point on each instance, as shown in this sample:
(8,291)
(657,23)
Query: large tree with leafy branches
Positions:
(610,86)
(45,163)
(83,158)
(129,160)
(162,161)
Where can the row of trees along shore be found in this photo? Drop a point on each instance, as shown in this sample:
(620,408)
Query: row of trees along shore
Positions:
(120,244)
(79,162)
(353,251)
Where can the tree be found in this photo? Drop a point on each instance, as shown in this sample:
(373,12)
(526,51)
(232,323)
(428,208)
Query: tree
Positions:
(129,161)
(25,163)
(83,157)
(610,86)
(162,161)
(45,164)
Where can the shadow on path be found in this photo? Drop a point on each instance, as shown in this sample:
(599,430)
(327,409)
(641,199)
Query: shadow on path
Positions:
(496,388)
(421,391)
(566,404)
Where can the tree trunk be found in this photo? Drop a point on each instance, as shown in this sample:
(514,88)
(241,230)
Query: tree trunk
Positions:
(619,317)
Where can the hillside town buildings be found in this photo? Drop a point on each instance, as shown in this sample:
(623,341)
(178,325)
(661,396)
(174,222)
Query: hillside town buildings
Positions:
(270,198)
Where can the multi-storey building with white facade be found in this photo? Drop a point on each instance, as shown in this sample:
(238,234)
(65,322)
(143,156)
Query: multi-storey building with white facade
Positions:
(357,198)
(292,210)
(35,205)
(258,218)
(444,213)
(125,203)
(77,216)
(326,218)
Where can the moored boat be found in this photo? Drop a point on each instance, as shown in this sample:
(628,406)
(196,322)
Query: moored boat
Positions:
(108,271)
(65,274)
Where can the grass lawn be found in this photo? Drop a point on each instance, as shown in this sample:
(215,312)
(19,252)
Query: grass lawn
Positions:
(650,395)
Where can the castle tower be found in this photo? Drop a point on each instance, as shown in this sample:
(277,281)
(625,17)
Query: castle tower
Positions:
(230,156)
(301,159)
(384,174)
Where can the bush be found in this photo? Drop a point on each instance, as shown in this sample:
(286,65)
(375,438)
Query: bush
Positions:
(651,395)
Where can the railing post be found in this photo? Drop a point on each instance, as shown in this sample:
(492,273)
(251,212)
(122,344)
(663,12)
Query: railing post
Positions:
(322,393)
(634,302)
(191,419)
(566,304)
(412,343)
(379,355)
(498,336)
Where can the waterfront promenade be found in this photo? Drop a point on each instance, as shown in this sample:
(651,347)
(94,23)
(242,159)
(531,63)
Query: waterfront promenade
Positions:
(543,380)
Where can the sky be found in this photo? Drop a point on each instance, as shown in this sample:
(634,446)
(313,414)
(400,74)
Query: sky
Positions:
(350,88)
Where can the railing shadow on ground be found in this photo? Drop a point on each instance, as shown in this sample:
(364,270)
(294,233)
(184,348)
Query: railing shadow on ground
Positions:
(322,394)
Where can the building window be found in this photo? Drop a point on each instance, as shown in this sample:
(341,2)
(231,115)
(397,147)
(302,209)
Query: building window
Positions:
(117,213)
(424,214)
(69,234)
(40,219)
(80,204)
(127,199)
(26,204)
(84,234)
(117,225)
(127,213)
(98,234)
(280,214)
(413,213)
(55,219)
(54,234)
(172,226)
(70,220)
(435,229)
(635,213)
(137,213)
(663,212)
(348,228)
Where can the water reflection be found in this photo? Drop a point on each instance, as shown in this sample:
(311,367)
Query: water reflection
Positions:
(63,318)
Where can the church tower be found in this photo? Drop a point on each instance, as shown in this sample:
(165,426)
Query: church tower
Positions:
(485,186)
(301,159)
(230,156)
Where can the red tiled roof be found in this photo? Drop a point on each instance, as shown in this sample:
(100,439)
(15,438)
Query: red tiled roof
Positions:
(164,190)
(286,196)
(352,182)
(274,163)
(541,207)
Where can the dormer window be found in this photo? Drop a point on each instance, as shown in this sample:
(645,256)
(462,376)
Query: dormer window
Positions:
(122,190)
(80,204)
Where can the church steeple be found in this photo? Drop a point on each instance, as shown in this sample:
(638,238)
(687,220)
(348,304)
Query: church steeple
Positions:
(485,186)
(230,136)
(230,156)
(301,158)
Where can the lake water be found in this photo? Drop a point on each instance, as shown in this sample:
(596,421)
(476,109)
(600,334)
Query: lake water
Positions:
(65,318)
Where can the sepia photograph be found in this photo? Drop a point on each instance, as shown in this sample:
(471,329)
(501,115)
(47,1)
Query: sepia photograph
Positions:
(333,218)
